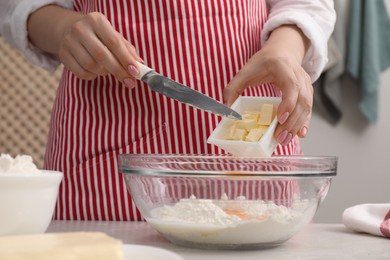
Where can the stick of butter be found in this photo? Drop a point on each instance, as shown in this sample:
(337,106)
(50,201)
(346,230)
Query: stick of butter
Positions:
(61,246)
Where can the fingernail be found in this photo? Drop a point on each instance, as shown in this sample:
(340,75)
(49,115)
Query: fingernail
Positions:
(129,82)
(288,139)
(283,118)
(304,131)
(282,136)
(133,70)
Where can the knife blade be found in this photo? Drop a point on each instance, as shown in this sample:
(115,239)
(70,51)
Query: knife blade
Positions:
(182,93)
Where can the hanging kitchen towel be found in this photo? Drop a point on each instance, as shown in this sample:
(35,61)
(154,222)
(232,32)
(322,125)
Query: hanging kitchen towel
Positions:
(368,218)
(368,50)
(327,89)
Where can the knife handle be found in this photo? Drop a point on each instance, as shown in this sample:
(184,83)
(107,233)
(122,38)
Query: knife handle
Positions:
(143,69)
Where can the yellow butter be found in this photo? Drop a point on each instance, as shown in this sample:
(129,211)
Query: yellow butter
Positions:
(266,113)
(253,125)
(239,134)
(251,115)
(254,135)
(247,124)
(61,246)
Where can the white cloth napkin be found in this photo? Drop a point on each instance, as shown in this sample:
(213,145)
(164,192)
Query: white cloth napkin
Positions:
(368,218)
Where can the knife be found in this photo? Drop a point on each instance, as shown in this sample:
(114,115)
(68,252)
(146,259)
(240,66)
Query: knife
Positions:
(182,93)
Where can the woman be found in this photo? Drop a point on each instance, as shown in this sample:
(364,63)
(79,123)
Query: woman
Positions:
(221,48)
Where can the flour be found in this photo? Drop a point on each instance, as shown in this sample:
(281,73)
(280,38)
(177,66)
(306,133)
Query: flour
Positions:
(225,221)
(19,164)
(196,211)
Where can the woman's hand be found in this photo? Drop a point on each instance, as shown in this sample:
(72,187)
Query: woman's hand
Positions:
(86,44)
(279,63)
(91,47)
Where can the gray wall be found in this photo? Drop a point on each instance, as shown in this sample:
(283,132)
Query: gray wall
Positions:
(363,150)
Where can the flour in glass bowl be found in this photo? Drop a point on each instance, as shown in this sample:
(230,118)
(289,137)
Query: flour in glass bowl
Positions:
(19,164)
(225,221)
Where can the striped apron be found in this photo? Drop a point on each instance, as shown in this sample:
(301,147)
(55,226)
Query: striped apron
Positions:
(201,44)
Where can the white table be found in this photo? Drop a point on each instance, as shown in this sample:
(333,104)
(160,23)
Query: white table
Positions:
(315,241)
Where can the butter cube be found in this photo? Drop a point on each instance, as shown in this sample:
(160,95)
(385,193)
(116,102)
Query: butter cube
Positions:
(251,115)
(233,129)
(266,114)
(247,124)
(239,134)
(254,135)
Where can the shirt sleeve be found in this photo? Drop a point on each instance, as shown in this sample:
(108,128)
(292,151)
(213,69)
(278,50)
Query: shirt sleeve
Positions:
(316,19)
(13,27)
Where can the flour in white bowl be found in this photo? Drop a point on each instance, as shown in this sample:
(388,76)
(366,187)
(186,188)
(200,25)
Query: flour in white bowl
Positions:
(19,164)
(225,221)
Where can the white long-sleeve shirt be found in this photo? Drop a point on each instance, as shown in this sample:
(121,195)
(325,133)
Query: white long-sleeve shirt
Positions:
(13,27)
(316,19)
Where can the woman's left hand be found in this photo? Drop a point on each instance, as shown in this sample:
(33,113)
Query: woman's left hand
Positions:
(279,63)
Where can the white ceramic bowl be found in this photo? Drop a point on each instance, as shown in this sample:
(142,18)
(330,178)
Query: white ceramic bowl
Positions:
(27,201)
(264,147)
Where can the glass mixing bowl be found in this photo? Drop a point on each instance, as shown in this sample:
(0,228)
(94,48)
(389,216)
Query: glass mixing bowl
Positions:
(227,202)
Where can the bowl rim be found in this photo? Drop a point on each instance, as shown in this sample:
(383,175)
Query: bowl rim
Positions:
(316,166)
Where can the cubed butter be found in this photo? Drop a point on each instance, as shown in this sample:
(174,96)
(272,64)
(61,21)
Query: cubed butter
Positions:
(251,115)
(228,133)
(61,246)
(266,114)
(247,124)
(253,126)
(239,134)
(254,135)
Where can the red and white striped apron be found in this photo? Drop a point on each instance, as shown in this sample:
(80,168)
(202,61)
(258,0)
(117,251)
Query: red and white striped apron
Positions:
(200,43)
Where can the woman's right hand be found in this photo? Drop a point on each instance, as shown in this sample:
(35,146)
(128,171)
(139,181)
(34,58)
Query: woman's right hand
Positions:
(86,44)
